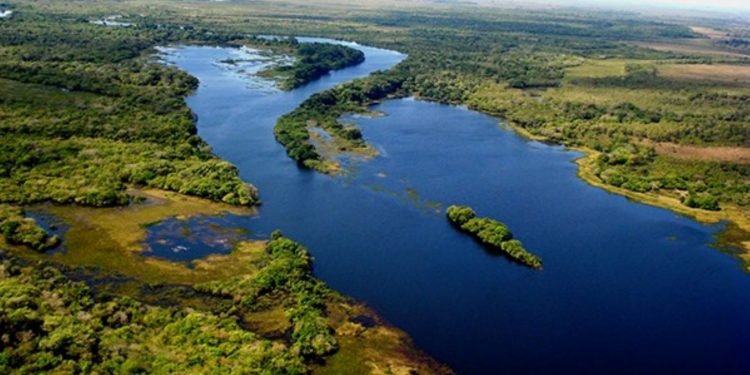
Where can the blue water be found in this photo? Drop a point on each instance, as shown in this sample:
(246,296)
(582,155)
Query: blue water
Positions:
(50,223)
(184,240)
(626,288)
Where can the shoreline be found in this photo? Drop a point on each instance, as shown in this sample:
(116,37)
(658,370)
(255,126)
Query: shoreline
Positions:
(728,213)
(370,346)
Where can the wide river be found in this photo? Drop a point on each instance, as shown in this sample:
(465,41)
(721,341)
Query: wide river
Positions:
(626,288)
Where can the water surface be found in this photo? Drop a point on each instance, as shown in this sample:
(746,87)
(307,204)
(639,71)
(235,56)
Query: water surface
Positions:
(626,288)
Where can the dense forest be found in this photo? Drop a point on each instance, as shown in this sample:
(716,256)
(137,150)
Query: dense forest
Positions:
(53,324)
(85,112)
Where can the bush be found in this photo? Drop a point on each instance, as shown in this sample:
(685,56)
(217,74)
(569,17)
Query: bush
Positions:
(287,276)
(703,201)
(459,215)
(20,230)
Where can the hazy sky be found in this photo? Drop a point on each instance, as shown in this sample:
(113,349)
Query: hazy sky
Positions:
(719,5)
(685,4)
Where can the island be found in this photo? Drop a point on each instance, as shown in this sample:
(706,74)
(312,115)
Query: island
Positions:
(493,234)
(312,61)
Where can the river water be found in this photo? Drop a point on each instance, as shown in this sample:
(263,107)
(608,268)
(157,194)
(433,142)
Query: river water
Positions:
(626,288)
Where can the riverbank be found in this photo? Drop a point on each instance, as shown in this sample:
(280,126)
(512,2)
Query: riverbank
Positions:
(729,213)
(107,245)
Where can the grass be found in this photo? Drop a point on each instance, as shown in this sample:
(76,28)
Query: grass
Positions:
(700,47)
(111,239)
(709,72)
(375,349)
(740,155)
(332,148)
(709,32)
(597,69)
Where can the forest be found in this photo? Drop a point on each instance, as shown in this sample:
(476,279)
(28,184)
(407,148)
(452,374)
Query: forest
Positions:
(77,126)
(87,114)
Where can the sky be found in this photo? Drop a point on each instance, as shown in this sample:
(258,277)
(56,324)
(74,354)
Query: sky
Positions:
(716,5)
(727,4)
(679,4)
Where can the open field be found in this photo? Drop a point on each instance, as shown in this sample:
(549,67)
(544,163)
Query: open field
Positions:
(739,74)
(739,155)
(709,32)
(700,47)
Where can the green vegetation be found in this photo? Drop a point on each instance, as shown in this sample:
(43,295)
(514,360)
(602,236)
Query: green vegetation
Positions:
(287,279)
(595,81)
(324,109)
(20,230)
(699,184)
(258,309)
(584,80)
(84,114)
(312,61)
(491,233)
(52,324)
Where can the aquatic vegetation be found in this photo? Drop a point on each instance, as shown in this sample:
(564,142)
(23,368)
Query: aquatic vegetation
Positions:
(20,230)
(260,304)
(86,114)
(491,233)
(112,238)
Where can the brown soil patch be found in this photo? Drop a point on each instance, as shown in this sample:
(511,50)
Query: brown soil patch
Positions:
(722,154)
(709,32)
(711,72)
(691,47)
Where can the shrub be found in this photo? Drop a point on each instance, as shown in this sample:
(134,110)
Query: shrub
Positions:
(704,201)
(459,215)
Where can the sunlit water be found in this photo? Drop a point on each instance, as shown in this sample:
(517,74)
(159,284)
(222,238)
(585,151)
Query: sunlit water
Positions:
(626,288)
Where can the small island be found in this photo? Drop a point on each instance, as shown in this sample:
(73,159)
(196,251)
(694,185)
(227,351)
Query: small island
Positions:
(312,61)
(493,234)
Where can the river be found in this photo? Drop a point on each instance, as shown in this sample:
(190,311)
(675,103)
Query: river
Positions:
(626,288)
